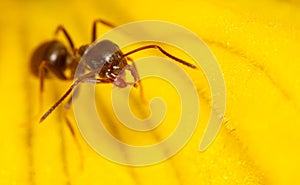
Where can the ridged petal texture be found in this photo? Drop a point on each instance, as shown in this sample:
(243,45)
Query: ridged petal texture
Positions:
(257,47)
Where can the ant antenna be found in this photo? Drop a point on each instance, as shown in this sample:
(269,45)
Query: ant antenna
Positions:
(86,77)
(59,101)
(163,52)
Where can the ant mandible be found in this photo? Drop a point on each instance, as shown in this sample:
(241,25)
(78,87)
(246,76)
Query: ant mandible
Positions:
(105,61)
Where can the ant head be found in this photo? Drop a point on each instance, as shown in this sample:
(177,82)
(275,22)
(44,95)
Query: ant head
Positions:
(105,55)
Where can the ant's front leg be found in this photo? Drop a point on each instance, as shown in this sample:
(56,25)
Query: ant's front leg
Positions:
(134,73)
(121,82)
(137,82)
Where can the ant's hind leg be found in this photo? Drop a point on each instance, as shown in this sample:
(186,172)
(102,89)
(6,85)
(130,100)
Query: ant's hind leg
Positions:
(62,29)
(42,70)
(97,21)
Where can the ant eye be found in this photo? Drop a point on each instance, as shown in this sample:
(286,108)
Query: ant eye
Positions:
(110,59)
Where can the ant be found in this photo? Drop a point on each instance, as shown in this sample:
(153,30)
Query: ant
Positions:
(105,62)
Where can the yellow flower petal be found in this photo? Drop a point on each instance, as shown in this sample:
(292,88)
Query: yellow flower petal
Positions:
(256,45)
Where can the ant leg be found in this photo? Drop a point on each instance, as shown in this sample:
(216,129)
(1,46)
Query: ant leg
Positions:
(154,46)
(121,83)
(134,72)
(62,29)
(94,33)
(42,68)
(76,139)
(71,128)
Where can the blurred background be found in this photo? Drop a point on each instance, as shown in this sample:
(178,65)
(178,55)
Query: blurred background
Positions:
(257,46)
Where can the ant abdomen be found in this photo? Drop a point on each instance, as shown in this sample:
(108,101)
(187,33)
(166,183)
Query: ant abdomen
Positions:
(51,56)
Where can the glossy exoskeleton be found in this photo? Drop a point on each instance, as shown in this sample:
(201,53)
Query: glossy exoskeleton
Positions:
(105,62)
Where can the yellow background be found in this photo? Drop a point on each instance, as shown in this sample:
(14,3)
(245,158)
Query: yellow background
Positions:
(257,46)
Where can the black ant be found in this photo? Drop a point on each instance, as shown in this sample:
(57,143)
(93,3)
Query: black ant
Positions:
(105,61)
